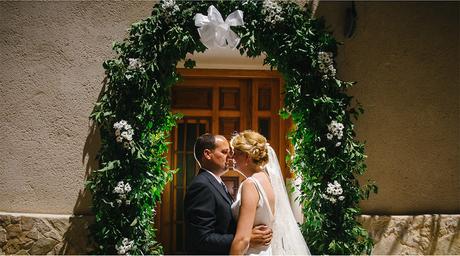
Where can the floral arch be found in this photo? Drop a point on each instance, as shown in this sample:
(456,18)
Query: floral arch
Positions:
(134,118)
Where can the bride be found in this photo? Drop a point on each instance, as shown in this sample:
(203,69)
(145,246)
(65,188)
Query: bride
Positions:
(262,199)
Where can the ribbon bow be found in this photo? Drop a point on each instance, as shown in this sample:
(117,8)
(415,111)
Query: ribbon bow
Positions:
(214,31)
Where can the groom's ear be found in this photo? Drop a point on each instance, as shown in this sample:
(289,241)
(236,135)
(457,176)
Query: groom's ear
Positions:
(207,154)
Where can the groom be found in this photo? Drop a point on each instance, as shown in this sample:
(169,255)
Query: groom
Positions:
(210,226)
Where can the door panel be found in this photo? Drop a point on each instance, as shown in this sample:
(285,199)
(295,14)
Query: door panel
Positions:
(219,106)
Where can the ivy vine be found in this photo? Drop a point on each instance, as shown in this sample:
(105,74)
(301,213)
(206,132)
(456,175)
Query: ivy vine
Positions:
(134,117)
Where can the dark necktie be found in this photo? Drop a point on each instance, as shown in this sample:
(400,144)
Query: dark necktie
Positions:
(226,191)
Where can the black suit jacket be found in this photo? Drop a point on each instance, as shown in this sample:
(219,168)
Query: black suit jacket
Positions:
(209,223)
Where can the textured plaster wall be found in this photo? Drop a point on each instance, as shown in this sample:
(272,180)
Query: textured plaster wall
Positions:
(51,75)
(404,55)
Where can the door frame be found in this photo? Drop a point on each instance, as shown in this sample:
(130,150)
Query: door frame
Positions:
(162,218)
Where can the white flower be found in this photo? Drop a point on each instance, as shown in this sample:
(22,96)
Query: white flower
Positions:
(338,144)
(329,136)
(324,77)
(171,9)
(118,201)
(333,200)
(327,60)
(117,132)
(123,196)
(122,123)
(119,139)
(125,246)
(118,190)
(124,134)
(335,132)
(168,4)
(321,56)
(321,66)
(127,127)
(340,126)
(128,202)
(272,11)
(341,198)
(126,144)
(338,191)
(134,63)
(117,125)
(127,188)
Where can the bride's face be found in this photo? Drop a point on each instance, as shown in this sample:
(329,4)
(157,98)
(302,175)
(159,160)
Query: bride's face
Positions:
(241,159)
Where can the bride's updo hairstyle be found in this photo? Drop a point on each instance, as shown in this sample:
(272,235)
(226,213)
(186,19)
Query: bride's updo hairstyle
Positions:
(252,143)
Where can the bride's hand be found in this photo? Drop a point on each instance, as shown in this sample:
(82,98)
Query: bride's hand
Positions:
(261,236)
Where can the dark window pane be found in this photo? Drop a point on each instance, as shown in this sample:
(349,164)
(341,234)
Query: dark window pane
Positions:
(180,204)
(191,136)
(191,167)
(264,98)
(180,238)
(180,165)
(228,125)
(202,129)
(264,127)
(180,136)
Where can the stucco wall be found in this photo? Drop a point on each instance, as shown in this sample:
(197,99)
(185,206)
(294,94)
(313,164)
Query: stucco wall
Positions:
(404,55)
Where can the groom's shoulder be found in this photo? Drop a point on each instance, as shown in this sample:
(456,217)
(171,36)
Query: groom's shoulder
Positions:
(200,178)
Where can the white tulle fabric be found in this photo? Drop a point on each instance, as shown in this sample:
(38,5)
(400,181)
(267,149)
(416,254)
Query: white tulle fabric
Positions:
(287,238)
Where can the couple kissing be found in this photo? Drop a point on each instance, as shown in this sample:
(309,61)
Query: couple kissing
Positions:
(260,220)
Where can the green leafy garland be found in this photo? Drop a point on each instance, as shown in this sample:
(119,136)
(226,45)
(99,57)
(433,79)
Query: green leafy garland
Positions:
(134,117)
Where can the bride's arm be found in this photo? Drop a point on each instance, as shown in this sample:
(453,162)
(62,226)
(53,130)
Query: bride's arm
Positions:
(249,200)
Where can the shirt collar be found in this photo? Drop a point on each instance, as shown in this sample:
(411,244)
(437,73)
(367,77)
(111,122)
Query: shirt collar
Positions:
(215,176)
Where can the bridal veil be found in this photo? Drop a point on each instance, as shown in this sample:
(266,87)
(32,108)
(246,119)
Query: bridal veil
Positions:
(287,238)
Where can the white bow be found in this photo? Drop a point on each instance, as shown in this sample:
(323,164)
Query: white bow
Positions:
(214,31)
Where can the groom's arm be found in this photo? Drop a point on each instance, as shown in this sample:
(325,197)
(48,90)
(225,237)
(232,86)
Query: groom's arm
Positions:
(200,213)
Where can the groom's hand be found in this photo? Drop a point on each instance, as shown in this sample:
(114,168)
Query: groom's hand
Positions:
(261,235)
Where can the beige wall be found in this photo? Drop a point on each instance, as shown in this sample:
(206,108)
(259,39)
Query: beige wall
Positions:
(404,55)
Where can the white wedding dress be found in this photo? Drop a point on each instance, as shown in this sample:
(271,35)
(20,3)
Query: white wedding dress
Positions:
(287,238)
(263,216)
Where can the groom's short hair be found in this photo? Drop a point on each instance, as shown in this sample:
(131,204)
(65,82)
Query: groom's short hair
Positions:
(205,141)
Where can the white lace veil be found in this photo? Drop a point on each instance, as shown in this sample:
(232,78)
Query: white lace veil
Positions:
(287,238)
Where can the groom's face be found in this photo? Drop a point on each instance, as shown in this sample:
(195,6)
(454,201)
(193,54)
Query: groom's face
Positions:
(220,153)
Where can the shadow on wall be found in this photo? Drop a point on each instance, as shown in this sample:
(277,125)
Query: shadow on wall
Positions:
(77,239)
(421,234)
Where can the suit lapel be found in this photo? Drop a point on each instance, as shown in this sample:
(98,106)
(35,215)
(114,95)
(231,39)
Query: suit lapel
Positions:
(217,185)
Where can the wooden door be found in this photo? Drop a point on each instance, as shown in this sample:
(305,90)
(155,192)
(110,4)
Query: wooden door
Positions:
(220,103)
